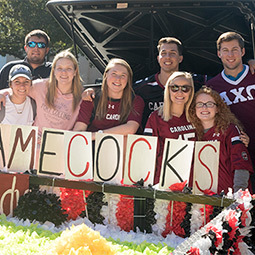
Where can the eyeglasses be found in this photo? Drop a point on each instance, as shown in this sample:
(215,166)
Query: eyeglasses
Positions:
(40,45)
(183,88)
(207,104)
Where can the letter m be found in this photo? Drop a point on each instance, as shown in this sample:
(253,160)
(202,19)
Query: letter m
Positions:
(19,139)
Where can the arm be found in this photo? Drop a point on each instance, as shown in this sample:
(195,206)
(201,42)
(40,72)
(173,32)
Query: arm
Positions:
(124,129)
(251,64)
(129,128)
(151,127)
(88,94)
(80,126)
(240,160)
(241,179)
(3,94)
(36,87)
(84,116)
(133,121)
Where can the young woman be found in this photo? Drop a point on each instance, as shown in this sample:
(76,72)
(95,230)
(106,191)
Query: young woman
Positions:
(115,109)
(172,119)
(19,108)
(214,122)
(58,98)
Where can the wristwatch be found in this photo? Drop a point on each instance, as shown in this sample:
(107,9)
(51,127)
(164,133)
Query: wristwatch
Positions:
(100,131)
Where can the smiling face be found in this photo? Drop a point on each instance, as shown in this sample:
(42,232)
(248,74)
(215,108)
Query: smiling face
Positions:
(64,72)
(20,88)
(206,114)
(36,55)
(169,58)
(116,79)
(231,55)
(180,98)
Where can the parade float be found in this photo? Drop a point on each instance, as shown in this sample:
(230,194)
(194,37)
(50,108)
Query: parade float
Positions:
(117,201)
(122,205)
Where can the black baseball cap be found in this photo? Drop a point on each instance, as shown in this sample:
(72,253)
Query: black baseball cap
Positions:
(20,70)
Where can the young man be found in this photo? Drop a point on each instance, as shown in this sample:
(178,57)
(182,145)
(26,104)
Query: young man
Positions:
(151,89)
(36,47)
(236,84)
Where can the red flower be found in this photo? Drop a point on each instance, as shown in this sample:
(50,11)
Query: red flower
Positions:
(125,212)
(174,220)
(193,251)
(178,186)
(72,201)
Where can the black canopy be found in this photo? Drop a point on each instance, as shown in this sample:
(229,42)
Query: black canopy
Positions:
(130,29)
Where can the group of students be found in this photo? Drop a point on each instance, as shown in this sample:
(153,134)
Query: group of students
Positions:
(202,117)
(116,109)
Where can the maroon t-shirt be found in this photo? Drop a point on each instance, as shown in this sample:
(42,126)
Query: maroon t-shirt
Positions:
(239,95)
(112,116)
(175,128)
(233,155)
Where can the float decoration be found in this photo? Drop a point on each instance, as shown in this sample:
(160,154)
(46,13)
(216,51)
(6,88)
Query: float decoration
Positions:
(41,206)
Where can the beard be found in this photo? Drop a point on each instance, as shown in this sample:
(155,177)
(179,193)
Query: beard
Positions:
(36,60)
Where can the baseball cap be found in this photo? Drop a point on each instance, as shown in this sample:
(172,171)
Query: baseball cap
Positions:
(20,70)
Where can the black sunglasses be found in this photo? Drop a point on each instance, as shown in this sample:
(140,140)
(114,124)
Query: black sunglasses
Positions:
(184,88)
(40,45)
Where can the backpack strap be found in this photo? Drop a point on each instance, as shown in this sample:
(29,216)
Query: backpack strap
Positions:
(33,103)
(2,112)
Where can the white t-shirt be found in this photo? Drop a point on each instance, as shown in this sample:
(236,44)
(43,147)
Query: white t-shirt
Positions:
(18,114)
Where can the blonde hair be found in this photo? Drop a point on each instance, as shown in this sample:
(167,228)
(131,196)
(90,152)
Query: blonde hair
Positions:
(223,118)
(165,110)
(126,101)
(76,83)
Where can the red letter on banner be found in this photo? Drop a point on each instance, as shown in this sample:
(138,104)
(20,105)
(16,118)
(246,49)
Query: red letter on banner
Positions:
(206,164)
(79,155)
(137,146)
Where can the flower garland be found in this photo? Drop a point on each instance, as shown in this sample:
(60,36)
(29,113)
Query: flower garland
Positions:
(178,217)
(81,240)
(228,233)
(72,201)
(125,212)
(41,206)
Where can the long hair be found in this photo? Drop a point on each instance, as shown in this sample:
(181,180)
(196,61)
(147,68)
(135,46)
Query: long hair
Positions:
(127,97)
(76,83)
(165,110)
(223,118)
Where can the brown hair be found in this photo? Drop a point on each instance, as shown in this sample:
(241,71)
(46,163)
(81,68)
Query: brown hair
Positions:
(127,97)
(169,40)
(165,110)
(230,36)
(38,33)
(76,84)
(223,118)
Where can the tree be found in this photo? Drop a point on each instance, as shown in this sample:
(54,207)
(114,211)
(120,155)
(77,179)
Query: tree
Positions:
(17,18)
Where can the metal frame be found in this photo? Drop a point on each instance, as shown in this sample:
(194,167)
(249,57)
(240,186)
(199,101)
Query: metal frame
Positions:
(131,29)
(144,192)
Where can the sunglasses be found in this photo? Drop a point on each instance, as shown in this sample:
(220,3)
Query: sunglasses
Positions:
(207,104)
(184,88)
(40,45)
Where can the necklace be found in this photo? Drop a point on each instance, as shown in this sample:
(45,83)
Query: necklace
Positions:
(19,111)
